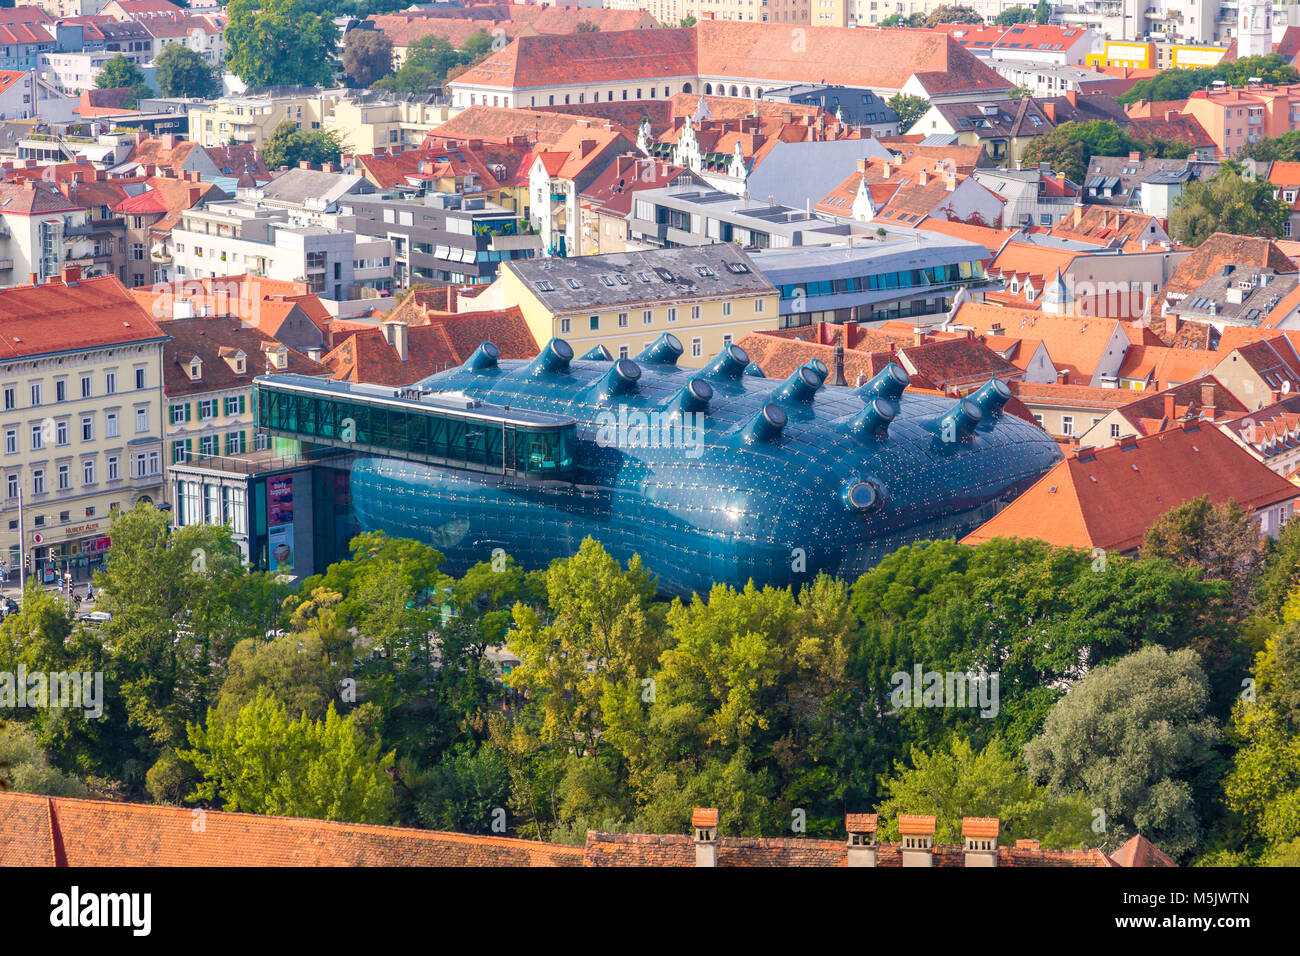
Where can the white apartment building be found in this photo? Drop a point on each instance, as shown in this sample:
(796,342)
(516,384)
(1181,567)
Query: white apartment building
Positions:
(81,418)
(247,237)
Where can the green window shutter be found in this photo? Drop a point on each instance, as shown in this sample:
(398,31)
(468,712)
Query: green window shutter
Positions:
(187,411)
(242,400)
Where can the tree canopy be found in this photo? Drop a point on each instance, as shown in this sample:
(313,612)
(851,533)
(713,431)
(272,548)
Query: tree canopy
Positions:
(367,56)
(119,72)
(182,72)
(280,43)
(1178,84)
(1227,203)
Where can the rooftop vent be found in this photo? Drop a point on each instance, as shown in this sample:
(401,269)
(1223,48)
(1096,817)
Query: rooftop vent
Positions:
(665,350)
(873,421)
(484,357)
(729,363)
(766,425)
(801,386)
(620,379)
(554,358)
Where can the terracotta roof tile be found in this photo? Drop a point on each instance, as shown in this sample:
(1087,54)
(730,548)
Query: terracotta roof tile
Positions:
(1108,497)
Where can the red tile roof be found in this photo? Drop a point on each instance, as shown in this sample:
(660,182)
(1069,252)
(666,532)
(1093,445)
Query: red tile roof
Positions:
(211,338)
(1108,497)
(44,831)
(60,316)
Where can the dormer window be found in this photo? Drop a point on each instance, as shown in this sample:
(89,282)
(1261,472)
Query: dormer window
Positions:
(195,369)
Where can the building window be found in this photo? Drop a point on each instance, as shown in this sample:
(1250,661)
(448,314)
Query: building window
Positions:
(1067,424)
(113,473)
(235,405)
(38,481)
(11,397)
(38,437)
(36,394)
(85,386)
(759,305)
(110,425)
(672,314)
(110,383)
(208,446)
(13,486)
(65,477)
(594,323)
(697,347)
(566,326)
(235,443)
(623,351)
(695,313)
(61,391)
(207,409)
(87,428)
(180,451)
(726,309)
(180,413)
(1114,431)
(11,441)
(622,320)
(88,471)
(60,433)
(141,420)
(648,317)
(139,378)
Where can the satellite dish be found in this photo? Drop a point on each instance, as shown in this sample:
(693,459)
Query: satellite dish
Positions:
(1286,387)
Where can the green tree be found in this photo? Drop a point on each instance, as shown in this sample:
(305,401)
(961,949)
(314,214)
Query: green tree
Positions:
(1014,15)
(1043,12)
(1223,540)
(957,781)
(182,72)
(1070,147)
(600,633)
(280,42)
(288,146)
(1130,737)
(294,668)
(1284,148)
(119,72)
(909,109)
(465,790)
(367,56)
(952,13)
(1019,92)
(264,761)
(1280,575)
(1178,84)
(24,767)
(586,26)
(1227,203)
(180,600)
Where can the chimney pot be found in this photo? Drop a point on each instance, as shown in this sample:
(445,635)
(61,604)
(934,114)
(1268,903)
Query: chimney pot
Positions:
(862,838)
(918,839)
(1169,406)
(1207,398)
(704,823)
(981,836)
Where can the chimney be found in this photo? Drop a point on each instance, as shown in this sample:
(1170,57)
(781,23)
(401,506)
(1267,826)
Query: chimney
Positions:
(395,334)
(918,337)
(33,278)
(196,192)
(981,835)
(1078,215)
(303,164)
(1169,406)
(327,167)
(1062,376)
(918,839)
(862,838)
(850,335)
(585,147)
(1172,324)
(705,824)
(1207,399)
(1072,97)
(837,373)
(886,169)
(1135,157)
(1028,845)
(1049,109)
(922,177)
(71,275)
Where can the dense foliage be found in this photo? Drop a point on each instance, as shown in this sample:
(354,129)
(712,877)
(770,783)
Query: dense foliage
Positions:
(1178,84)
(1227,203)
(381,690)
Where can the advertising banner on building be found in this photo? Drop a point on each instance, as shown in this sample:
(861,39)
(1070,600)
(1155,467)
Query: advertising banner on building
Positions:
(280,542)
(279,500)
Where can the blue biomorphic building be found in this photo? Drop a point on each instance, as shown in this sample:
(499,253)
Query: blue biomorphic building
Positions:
(712,475)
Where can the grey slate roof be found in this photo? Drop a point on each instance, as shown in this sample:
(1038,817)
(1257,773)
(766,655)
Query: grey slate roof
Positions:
(627,278)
